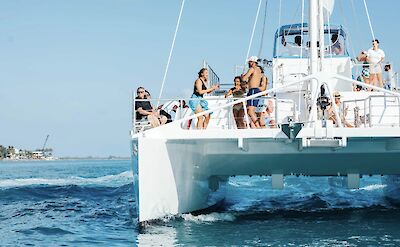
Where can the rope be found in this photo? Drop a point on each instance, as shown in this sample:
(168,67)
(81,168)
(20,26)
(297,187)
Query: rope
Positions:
(263,29)
(252,33)
(170,52)
(369,20)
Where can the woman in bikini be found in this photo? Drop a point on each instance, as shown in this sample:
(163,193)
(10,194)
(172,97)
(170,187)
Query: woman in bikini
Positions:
(238,91)
(198,103)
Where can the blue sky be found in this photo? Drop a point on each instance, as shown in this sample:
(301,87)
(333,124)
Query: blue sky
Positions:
(68,68)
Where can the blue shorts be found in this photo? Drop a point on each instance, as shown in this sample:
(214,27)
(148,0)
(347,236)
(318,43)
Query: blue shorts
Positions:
(195,101)
(253,102)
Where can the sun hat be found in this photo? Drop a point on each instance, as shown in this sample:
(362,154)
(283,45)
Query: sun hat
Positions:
(252,59)
(337,95)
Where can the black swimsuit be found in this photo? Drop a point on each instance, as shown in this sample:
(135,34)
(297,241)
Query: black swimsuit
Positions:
(203,87)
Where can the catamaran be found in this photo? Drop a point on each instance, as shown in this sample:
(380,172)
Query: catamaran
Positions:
(179,169)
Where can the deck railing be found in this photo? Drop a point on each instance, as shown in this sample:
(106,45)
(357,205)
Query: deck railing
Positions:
(222,119)
(375,110)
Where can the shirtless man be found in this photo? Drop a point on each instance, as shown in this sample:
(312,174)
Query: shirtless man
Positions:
(253,77)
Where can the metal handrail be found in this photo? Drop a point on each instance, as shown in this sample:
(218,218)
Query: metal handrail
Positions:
(370,106)
(230,99)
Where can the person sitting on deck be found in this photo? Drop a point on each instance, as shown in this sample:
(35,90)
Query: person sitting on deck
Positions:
(342,115)
(253,76)
(197,103)
(144,110)
(163,116)
(266,115)
(238,91)
(169,110)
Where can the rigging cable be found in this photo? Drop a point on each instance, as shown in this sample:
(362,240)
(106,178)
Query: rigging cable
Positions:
(369,20)
(348,34)
(356,22)
(263,29)
(170,52)
(252,33)
(279,23)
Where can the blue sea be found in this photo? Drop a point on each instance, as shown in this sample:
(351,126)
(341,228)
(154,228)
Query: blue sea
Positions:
(91,203)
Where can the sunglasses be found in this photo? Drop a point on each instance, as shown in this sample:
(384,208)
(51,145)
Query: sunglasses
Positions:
(140,92)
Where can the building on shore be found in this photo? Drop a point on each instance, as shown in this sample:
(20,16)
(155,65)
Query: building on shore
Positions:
(12,153)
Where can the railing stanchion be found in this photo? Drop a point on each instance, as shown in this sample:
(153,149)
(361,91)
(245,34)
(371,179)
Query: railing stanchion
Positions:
(365,113)
(276,110)
(370,112)
(246,115)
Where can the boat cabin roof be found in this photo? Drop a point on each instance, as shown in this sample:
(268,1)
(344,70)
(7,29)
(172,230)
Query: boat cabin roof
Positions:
(286,36)
(295,29)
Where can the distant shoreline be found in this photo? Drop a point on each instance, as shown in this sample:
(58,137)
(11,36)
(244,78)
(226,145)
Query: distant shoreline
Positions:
(93,158)
(69,158)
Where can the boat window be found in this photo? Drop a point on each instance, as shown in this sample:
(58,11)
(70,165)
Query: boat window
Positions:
(292,41)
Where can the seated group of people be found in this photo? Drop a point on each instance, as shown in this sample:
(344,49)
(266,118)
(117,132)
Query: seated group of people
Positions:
(155,116)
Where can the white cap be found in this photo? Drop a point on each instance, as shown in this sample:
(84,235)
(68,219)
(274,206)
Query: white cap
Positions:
(252,59)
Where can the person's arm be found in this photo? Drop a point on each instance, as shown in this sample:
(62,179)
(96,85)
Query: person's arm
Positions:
(228,93)
(246,76)
(143,112)
(383,56)
(264,82)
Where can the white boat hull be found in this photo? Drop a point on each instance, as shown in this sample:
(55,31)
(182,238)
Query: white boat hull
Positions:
(178,173)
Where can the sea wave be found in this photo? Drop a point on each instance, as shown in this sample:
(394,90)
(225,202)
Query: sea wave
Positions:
(212,217)
(117,180)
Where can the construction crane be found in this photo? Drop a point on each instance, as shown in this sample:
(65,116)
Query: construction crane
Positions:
(44,144)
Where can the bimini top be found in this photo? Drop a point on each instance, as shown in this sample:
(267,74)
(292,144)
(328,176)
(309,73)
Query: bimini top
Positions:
(290,39)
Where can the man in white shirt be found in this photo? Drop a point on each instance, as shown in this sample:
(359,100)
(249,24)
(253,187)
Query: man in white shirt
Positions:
(375,57)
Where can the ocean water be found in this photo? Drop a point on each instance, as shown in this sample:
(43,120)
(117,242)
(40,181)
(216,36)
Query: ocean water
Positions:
(91,203)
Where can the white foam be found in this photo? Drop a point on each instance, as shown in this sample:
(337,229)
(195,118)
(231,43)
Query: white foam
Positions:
(109,180)
(373,187)
(212,217)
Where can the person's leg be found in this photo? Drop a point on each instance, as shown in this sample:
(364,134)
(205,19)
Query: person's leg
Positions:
(240,118)
(367,80)
(163,119)
(261,120)
(206,120)
(372,80)
(251,111)
(380,80)
(200,120)
(153,121)
(235,116)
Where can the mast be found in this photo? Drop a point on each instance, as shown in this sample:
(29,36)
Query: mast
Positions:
(313,32)
(313,29)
